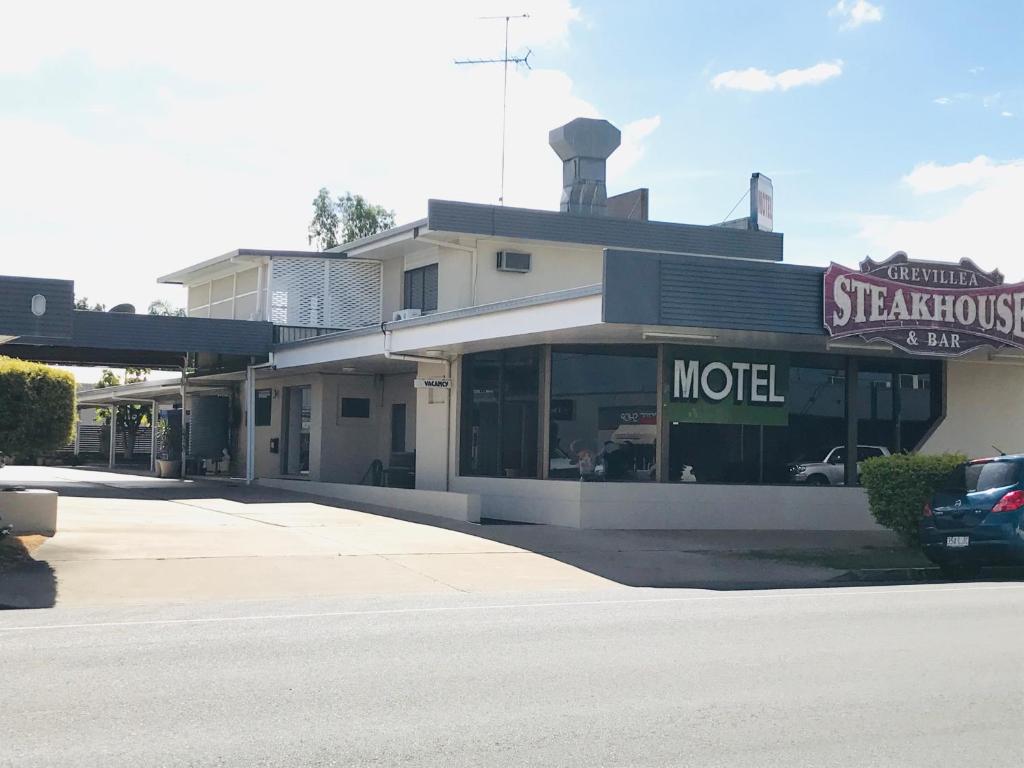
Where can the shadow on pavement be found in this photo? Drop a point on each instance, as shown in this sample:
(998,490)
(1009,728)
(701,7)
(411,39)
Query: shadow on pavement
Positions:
(24,582)
(714,560)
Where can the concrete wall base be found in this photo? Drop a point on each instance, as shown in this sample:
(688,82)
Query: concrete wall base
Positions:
(30,512)
(686,506)
(454,506)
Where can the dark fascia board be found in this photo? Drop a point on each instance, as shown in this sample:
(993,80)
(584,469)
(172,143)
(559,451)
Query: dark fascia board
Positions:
(159,333)
(666,237)
(16,317)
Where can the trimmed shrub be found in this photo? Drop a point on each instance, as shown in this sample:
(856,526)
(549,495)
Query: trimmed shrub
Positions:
(37,407)
(898,487)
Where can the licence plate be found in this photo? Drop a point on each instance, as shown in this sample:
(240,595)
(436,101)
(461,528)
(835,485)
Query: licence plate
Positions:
(957,541)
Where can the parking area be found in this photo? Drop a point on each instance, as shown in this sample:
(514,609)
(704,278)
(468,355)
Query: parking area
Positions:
(132,538)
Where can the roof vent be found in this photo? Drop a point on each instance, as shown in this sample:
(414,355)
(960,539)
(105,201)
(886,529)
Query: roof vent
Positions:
(584,144)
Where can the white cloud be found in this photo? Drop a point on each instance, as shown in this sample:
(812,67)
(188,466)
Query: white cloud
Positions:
(856,12)
(1006,114)
(249,110)
(943,100)
(931,177)
(759,80)
(981,224)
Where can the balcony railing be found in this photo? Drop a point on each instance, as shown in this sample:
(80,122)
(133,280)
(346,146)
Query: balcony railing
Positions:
(283,334)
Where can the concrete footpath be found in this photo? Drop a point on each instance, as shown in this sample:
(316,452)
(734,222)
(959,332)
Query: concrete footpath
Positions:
(129,538)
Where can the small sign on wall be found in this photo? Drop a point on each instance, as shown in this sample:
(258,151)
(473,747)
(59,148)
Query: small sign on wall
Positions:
(433,384)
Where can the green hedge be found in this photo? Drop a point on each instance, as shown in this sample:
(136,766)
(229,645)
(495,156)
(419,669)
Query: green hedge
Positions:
(898,487)
(37,407)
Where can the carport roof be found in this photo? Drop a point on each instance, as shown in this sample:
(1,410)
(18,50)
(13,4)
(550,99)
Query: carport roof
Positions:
(63,335)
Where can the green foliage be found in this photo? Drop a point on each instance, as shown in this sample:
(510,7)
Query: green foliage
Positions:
(37,408)
(360,218)
(83,303)
(165,308)
(898,487)
(355,216)
(130,416)
(323,229)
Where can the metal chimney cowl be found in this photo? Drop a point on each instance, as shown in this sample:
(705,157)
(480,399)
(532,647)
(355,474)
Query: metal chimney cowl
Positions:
(584,144)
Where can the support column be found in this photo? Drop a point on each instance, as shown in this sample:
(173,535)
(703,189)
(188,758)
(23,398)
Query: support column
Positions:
(545,412)
(184,395)
(661,445)
(850,473)
(152,435)
(113,435)
(78,432)
(250,425)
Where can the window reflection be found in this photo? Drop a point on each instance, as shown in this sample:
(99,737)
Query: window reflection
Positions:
(604,414)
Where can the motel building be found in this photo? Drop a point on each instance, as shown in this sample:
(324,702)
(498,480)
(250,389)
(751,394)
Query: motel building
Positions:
(585,367)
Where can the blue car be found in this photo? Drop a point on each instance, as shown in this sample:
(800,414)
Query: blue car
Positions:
(979,519)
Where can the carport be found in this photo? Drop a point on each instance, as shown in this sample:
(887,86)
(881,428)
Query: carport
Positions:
(38,322)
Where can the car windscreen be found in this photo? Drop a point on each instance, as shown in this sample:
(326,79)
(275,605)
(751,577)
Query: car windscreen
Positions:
(984,476)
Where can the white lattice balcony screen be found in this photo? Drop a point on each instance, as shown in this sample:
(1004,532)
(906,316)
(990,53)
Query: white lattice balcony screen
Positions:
(325,293)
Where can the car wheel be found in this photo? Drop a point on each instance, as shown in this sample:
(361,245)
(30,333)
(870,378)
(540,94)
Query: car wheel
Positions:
(959,572)
(817,480)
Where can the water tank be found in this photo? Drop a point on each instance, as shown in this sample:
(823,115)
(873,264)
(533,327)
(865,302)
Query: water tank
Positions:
(209,427)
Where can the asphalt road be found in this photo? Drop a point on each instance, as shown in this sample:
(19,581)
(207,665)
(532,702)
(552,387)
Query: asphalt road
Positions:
(874,676)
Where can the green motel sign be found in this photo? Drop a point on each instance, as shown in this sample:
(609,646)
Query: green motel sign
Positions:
(725,386)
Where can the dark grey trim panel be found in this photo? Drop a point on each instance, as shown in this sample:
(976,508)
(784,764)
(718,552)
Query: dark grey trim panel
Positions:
(172,334)
(501,221)
(16,318)
(703,292)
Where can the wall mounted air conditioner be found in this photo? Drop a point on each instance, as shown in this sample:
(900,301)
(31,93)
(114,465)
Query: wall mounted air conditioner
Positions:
(510,261)
(405,314)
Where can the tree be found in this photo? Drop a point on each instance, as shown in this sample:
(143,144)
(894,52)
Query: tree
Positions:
(83,303)
(165,308)
(37,407)
(130,416)
(355,216)
(323,229)
(360,218)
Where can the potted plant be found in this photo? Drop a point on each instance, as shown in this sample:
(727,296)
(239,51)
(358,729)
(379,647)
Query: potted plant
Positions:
(168,457)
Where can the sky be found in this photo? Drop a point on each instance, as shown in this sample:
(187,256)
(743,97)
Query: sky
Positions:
(136,139)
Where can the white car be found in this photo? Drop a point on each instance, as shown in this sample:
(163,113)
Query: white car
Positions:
(832,469)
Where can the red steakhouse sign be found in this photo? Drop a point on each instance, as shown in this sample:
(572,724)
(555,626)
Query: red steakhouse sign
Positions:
(923,307)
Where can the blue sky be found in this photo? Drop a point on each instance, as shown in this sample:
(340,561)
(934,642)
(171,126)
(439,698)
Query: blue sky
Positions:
(136,140)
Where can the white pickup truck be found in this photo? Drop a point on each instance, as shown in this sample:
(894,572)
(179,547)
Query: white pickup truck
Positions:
(832,469)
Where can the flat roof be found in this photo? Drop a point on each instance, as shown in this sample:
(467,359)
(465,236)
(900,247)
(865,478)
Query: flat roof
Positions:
(178,277)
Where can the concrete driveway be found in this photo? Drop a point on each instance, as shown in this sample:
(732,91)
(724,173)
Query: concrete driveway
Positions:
(131,538)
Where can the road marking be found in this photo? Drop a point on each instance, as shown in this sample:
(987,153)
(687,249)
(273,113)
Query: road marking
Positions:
(923,589)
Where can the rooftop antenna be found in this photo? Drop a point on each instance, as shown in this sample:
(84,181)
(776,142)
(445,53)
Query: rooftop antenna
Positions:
(505,61)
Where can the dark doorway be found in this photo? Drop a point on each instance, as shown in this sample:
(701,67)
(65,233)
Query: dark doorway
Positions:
(398,428)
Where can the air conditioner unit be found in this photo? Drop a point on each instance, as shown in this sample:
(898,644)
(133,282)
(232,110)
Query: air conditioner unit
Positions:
(405,314)
(510,261)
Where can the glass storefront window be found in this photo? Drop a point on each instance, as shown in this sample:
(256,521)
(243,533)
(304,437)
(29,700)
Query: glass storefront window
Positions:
(604,413)
(897,403)
(500,411)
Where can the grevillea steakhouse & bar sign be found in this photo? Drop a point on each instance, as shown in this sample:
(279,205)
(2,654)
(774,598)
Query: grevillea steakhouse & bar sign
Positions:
(924,307)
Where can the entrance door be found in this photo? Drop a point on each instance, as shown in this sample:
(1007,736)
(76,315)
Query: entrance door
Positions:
(297,422)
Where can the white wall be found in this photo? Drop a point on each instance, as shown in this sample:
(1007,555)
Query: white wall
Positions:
(433,425)
(553,268)
(660,506)
(349,445)
(455,506)
(268,464)
(984,408)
